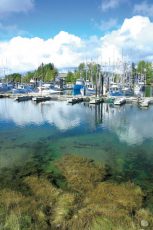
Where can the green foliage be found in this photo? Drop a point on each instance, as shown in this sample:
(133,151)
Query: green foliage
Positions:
(15,77)
(86,71)
(145,68)
(28,77)
(71,77)
(45,72)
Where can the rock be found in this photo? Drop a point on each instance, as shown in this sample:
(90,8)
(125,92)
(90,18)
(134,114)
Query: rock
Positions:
(144,223)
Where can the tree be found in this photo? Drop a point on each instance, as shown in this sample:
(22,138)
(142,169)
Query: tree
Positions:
(71,77)
(145,69)
(15,77)
(45,72)
(28,77)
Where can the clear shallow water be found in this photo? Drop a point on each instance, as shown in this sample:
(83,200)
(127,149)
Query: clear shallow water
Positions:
(122,137)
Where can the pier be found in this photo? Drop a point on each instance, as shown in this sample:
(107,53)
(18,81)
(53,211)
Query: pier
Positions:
(140,101)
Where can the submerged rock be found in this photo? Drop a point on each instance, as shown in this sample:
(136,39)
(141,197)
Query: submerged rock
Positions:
(144,223)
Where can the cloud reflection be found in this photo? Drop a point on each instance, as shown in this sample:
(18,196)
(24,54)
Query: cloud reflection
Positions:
(55,113)
(129,123)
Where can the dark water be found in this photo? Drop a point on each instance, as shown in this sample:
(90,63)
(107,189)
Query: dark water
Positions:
(122,137)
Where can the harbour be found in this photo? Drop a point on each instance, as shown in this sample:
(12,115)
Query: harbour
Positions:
(76,115)
(34,140)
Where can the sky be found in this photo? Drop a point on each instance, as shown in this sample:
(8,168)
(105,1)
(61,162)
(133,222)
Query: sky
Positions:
(67,32)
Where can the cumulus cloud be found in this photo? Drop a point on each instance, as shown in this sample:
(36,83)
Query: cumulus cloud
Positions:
(15,6)
(63,50)
(68,50)
(144,8)
(110,4)
(133,39)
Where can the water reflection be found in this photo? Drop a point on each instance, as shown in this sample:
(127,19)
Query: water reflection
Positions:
(54,113)
(131,124)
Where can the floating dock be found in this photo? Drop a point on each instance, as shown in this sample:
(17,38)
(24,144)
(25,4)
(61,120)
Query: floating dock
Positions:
(140,101)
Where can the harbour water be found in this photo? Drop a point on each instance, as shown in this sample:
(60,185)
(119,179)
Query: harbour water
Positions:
(121,137)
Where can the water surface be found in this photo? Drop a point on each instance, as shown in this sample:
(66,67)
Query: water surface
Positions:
(122,137)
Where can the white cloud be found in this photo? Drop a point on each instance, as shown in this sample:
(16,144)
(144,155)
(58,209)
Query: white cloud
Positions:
(109,4)
(144,8)
(15,6)
(134,38)
(68,50)
(63,50)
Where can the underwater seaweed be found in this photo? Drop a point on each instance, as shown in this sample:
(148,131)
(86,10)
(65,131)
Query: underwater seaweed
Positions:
(81,173)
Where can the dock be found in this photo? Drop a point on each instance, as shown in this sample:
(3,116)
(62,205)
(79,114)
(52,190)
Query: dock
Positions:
(36,97)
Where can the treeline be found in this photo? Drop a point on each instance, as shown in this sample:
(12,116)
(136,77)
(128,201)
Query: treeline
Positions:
(46,73)
(85,71)
(91,70)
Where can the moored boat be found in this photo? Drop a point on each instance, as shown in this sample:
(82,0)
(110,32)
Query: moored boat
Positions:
(144,102)
(120,101)
(23,98)
(80,84)
(115,90)
(41,98)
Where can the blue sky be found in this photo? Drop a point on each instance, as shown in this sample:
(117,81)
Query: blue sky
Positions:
(82,24)
(80,17)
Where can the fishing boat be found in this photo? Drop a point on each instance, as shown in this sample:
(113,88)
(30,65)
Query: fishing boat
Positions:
(47,88)
(22,89)
(115,90)
(80,83)
(4,87)
(89,88)
(127,90)
(144,102)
